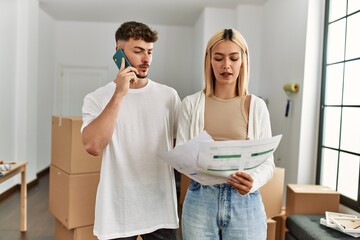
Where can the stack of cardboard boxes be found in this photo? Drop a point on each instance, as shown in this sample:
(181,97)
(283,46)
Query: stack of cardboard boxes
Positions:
(272,195)
(74,176)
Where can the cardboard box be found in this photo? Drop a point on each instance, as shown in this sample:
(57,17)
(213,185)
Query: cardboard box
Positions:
(280,225)
(72,197)
(272,193)
(311,199)
(83,233)
(67,150)
(271,229)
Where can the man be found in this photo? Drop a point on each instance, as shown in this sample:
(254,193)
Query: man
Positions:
(130,121)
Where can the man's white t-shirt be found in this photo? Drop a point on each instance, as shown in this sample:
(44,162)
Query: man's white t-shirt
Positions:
(136,193)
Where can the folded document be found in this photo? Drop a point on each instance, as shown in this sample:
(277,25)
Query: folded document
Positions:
(212,162)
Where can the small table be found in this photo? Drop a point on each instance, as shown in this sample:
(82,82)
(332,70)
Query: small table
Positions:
(19,167)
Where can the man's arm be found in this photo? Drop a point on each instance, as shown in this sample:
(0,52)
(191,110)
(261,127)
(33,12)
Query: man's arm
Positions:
(97,135)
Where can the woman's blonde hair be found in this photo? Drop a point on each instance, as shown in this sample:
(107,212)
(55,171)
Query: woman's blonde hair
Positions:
(243,79)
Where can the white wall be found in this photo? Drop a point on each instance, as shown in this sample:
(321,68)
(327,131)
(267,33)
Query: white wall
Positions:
(173,60)
(311,93)
(45,100)
(19,48)
(200,45)
(283,58)
(8,23)
(26,109)
(216,19)
(249,21)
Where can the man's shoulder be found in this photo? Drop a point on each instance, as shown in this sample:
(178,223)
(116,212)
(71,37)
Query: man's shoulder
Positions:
(103,90)
(160,85)
(164,88)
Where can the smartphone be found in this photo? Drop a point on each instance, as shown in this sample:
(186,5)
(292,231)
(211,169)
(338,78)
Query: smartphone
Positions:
(118,56)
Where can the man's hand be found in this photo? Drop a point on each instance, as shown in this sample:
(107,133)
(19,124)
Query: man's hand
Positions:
(243,182)
(124,78)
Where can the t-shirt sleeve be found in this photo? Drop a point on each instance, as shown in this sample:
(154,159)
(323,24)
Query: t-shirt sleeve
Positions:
(90,111)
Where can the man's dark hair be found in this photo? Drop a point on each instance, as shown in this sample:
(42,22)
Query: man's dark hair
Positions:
(136,31)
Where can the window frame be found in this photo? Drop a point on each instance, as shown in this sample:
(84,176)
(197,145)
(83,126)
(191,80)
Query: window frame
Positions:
(348,202)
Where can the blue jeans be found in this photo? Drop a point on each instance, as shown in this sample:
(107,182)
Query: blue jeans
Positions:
(219,212)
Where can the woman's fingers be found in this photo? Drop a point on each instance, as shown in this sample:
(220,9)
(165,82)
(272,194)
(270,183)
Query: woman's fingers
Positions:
(243,182)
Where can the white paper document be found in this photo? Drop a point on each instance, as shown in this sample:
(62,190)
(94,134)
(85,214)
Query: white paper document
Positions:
(212,162)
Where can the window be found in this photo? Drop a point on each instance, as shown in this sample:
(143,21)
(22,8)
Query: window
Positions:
(339,139)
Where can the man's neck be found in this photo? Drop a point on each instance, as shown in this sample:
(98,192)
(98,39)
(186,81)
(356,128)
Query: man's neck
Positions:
(140,83)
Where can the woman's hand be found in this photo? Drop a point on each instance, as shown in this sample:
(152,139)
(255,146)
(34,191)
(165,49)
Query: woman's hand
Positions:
(243,182)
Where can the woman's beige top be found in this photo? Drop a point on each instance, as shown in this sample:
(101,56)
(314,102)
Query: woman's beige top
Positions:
(226,119)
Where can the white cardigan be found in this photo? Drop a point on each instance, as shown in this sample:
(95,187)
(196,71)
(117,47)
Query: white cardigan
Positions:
(191,123)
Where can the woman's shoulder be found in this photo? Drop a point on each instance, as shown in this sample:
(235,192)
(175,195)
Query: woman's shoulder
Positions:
(257,103)
(257,100)
(194,97)
(193,101)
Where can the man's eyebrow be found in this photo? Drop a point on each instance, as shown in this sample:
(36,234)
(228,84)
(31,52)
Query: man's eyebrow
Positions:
(143,49)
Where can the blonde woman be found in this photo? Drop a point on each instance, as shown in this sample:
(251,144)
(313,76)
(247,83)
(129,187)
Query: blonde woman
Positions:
(226,110)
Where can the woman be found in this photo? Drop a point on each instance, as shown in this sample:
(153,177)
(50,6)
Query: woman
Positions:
(227,112)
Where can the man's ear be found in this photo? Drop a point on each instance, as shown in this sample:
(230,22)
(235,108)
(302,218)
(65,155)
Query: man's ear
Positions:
(119,44)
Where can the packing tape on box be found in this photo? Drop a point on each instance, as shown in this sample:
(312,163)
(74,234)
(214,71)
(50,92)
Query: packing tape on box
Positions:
(291,87)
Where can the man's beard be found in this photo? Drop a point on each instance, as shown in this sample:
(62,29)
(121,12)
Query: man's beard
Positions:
(141,73)
(141,76)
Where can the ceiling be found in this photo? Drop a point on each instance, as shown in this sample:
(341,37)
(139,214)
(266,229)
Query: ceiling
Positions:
(158,12)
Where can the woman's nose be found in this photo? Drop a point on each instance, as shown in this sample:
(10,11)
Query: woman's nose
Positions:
(226,64)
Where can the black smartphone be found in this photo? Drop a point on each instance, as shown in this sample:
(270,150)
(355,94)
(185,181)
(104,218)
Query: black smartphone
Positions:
(118,56)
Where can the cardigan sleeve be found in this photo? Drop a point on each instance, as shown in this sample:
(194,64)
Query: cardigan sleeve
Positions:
(261,129)
(183,131)
(191,117)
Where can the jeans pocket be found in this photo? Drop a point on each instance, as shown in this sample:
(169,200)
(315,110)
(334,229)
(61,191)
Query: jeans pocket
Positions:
(194,186)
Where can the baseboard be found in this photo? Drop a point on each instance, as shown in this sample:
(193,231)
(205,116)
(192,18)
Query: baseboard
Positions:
(43,172)
(17,187)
